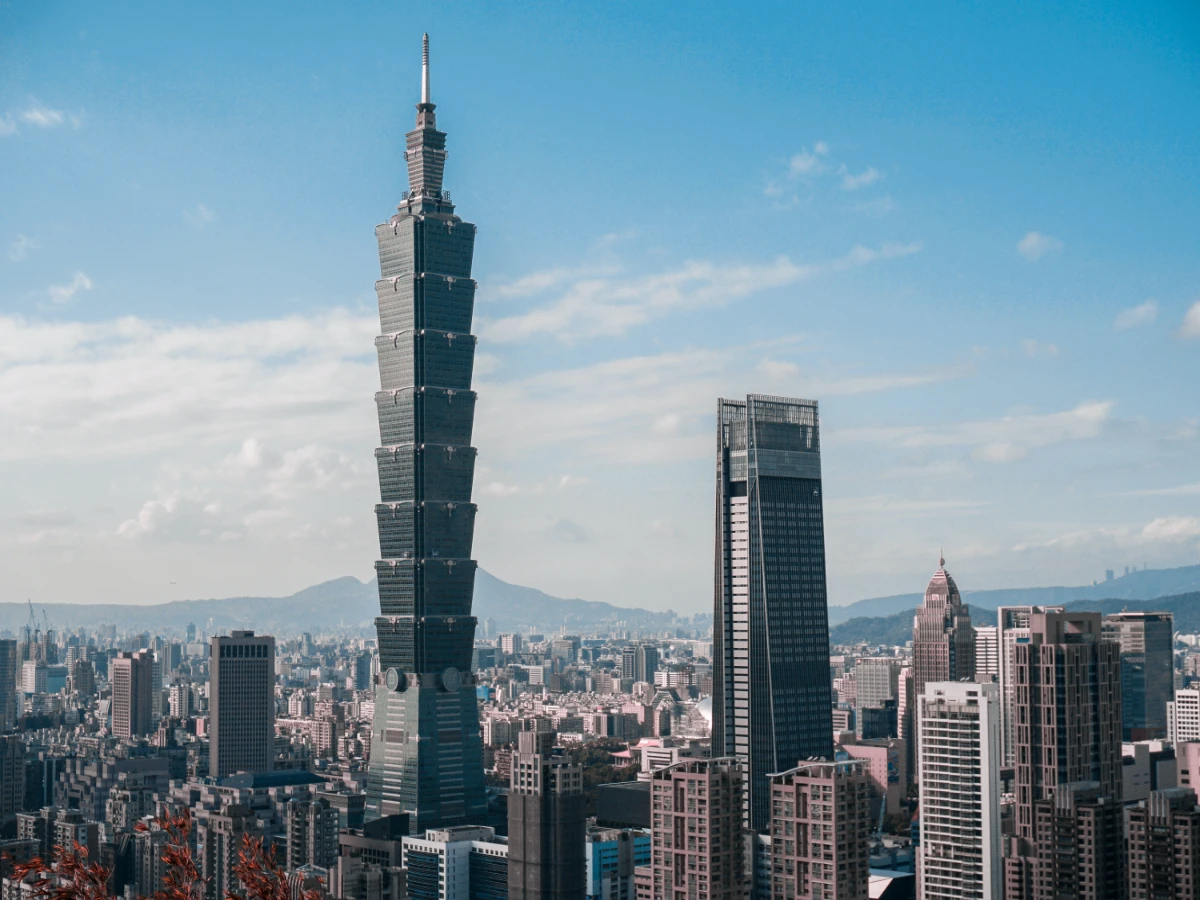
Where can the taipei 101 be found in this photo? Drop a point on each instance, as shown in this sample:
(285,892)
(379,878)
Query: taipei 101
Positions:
(755,457)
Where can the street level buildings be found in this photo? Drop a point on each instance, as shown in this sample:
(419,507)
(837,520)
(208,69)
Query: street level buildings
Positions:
(241,704)
(426,745)
(958,767)
(820,832)
(772,701)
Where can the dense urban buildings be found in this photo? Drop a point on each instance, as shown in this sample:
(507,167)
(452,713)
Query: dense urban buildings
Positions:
(1013,628)
(1164,847)
(427,750)
(772,702)
(698,847)
(1147,641)
(1067,724)
(1081,852)
(820,829)
(546,823)
(241,704)
(958,769)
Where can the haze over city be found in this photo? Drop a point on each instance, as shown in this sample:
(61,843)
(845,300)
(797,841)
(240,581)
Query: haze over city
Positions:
(969,234)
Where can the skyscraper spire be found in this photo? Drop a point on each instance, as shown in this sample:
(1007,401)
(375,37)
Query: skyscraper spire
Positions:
(425,68)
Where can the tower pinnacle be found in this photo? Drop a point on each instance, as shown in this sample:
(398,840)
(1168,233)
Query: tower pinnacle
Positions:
(425,68)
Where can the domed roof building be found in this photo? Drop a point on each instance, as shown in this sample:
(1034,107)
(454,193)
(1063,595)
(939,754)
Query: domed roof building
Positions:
(943,639)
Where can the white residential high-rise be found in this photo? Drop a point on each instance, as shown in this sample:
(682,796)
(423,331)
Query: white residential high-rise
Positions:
(959,741)
(1183,717)
(987,653)
(1013,628)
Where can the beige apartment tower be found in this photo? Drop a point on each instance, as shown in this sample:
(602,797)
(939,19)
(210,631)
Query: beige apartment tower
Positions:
(132,679)
(821,831)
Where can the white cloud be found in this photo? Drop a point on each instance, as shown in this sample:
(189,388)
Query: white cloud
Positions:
(1035,349)
(1035,245)
(851,182)
(601,306)
(996,441)
(19,249)
(61,293)
(200,216)
(1142,314)
(131,387)
(570,481)
(1165,530)
(804,163)
(499,489)
(7,126)
(42,116)
(1191,322)
(777,369)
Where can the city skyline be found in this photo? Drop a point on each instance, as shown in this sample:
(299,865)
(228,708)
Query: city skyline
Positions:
(1007,395)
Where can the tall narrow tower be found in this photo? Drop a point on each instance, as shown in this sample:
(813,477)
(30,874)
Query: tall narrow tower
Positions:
(426,747)
(772,702)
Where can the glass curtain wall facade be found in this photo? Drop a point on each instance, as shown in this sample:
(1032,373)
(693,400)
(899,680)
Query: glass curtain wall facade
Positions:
(426,745)
(772,700)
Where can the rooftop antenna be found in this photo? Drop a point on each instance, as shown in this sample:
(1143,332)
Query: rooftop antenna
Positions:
(425,68)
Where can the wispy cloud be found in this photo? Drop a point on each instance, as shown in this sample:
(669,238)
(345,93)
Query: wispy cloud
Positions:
(8,126)
(851,182)
(42,116)
(200,216)
(19,249)
(1142,314)
(1191,322)
(1003,440)
(1035,349)
(61,293)
(599,306)
(1035,245)
(1165,530)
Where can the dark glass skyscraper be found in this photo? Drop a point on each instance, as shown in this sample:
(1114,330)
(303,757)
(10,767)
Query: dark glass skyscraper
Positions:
(426,746)
(772,702)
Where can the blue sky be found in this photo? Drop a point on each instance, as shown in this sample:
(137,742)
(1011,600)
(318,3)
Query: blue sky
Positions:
(969,232)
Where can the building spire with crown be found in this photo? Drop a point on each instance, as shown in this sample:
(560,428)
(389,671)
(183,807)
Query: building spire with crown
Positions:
(425,69)
(426,151)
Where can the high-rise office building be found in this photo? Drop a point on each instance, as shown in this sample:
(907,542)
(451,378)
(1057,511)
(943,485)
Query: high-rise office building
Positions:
(1067,729)
(987,653)
(707,794)
(1183,717)
(426,745)
(877,696)
(772,700)
(132,678)
(645,663)
(9,665)
(1164,847)
(943,639)
(241,704)
(1083,857)
(1147,642)
(821,832)
(546,823)
(959,770)
(12,777)
(628,663)
(1013,628)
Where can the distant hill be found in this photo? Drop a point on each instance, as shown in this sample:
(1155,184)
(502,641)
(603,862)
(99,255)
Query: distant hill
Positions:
(344,603)
(1144,584)
(897,628)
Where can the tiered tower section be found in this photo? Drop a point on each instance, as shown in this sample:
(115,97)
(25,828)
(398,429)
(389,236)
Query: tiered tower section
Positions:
(426,746)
